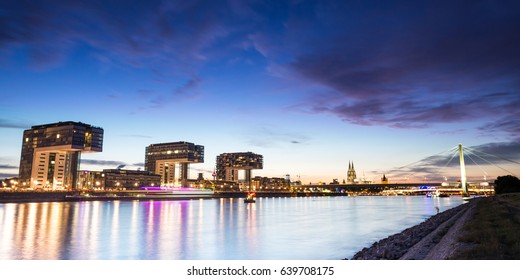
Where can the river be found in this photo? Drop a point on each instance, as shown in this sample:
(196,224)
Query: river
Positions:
(296,228)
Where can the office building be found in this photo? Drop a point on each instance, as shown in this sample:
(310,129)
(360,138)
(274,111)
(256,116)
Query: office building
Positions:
(229,164)
(171,161)
(259,183)
(51,153)
(118,179)
(91,180)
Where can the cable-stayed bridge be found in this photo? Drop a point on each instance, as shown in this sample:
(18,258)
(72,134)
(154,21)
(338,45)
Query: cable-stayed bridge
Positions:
(440,165)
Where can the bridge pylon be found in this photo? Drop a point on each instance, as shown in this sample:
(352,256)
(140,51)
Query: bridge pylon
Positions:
(462,172)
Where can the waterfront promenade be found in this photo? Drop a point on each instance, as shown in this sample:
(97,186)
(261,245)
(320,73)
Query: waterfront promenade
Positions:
(57,196)
(451,235)
(422,241)
(409,189)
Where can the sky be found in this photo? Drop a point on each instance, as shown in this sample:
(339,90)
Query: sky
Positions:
(310,85)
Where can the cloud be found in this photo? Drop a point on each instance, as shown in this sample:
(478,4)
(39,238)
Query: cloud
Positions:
(8,166)
(508,124)
(502,152)
(8,175)
(186,91)
(102,162)
(8,170)
(414,65)
(499,155)
(13,124)
(135,33)
(201,170)
(397,64)
(113,163)
(170,39)
(267,137)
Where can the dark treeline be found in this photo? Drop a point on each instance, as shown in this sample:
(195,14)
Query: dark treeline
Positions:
(507,184)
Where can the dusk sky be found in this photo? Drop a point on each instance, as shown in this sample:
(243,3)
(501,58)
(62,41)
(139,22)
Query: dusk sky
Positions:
(310,85)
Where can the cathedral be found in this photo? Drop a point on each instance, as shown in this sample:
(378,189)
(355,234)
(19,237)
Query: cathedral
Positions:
(351,174)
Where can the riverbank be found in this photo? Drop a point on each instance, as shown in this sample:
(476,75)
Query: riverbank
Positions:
(482,228)
(57,196)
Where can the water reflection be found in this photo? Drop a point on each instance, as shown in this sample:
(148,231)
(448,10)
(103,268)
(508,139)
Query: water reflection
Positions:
(272,228)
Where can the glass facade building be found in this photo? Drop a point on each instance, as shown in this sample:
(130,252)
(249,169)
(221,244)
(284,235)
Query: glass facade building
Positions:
(51,153)
(171,161)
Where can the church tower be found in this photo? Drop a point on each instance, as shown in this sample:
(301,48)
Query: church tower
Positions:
(384,180)
(351,173)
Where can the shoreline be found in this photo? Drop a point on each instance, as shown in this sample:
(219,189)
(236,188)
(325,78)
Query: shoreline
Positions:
(68,196)
(434,239)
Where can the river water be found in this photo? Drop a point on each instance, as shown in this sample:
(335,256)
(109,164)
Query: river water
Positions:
(298,228)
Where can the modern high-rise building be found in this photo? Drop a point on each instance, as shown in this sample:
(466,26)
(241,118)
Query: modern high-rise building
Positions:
(164,158)
(51,153)
(229,164)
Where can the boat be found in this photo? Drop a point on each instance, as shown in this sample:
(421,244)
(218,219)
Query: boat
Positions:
(439,194)
(250,198)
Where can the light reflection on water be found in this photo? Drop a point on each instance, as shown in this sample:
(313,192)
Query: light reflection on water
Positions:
(217,229)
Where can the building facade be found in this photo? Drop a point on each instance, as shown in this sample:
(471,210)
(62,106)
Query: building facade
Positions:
(51,153)
(130,179)
(91,180)
(270,184)
(117,179)
(171,161)
(229,164)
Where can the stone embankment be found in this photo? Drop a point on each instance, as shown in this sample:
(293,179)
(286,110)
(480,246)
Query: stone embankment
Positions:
(434,239)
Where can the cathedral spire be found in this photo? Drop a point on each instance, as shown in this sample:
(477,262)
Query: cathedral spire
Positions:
(351,173)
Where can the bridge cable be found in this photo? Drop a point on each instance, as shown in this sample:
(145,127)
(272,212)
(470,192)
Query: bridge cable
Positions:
(468,155)
(454,153)
(493,163)
(423,159)
(451,150)
(413,163)
(502,158)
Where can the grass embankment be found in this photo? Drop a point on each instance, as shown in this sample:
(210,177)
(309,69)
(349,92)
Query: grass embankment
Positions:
(493,233)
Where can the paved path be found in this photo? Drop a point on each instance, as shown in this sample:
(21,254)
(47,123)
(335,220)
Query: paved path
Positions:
(431,248)
(434,239)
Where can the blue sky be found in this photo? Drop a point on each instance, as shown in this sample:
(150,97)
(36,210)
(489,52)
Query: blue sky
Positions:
(311,85)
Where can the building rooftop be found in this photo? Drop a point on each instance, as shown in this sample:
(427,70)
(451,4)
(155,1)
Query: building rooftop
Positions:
(58,124)
(172,143)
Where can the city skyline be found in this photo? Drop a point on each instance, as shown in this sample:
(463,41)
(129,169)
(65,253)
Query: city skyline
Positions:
(310,85)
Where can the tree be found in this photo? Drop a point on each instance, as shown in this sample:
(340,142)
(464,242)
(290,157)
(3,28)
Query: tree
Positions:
(507,184)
